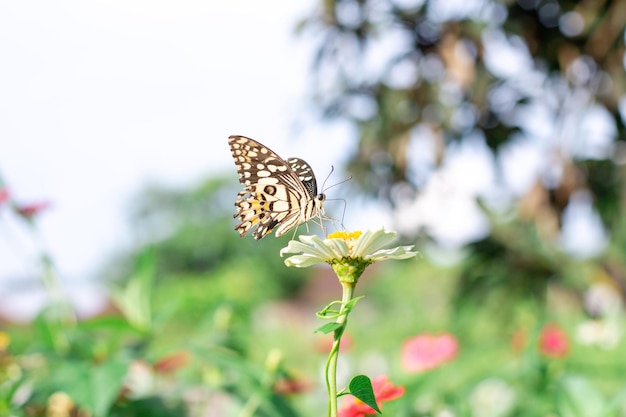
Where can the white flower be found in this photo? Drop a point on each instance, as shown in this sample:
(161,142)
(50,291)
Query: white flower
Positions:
(603,333)
(492,397)
(352,250)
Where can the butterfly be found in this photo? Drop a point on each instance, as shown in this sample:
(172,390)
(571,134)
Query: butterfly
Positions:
(277,193)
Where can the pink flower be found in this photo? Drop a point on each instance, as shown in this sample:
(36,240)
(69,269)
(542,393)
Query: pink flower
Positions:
(553,341)
(428,351)
(384,390)
(4,195)
(28,211)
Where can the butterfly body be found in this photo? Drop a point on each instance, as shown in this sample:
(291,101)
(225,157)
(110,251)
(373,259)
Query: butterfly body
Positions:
(278,194)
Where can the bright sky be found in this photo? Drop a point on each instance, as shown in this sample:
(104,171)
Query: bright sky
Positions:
(99,97)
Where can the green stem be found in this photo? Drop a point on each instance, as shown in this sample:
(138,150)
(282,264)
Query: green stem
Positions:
(251,406)
(331,364)
(59,314)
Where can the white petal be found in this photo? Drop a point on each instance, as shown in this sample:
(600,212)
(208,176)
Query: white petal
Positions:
(302,261)
(314,241)
(400,252)
(301,248)
(339,247)
(371,241)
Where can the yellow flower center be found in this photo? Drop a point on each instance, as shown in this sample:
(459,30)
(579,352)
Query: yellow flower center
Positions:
(345,235)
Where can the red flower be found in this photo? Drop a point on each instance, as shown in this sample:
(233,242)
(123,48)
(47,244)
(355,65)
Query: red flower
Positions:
(28,211)
(553,341)
(4,195)
(428,351)
(384,390)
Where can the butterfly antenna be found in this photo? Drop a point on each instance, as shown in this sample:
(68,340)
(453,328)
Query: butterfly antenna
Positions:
(339,183)
(332,169)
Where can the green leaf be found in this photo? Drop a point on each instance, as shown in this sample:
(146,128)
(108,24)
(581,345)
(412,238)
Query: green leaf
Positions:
(576,397)
(361,388)
(52,325)
(94,387)
(350,304)
(8,389)
(134,299)
(112,323)
(328,328)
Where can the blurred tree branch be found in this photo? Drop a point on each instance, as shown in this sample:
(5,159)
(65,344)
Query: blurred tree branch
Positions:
(390,67)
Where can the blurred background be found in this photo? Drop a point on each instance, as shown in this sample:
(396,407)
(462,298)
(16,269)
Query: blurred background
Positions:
(490,134)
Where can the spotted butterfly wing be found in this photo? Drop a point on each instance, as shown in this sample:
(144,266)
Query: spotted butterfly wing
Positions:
(277,193)
(305,174)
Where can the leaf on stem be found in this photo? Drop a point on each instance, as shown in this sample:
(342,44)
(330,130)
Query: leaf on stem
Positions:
(361,388)
(328,328)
